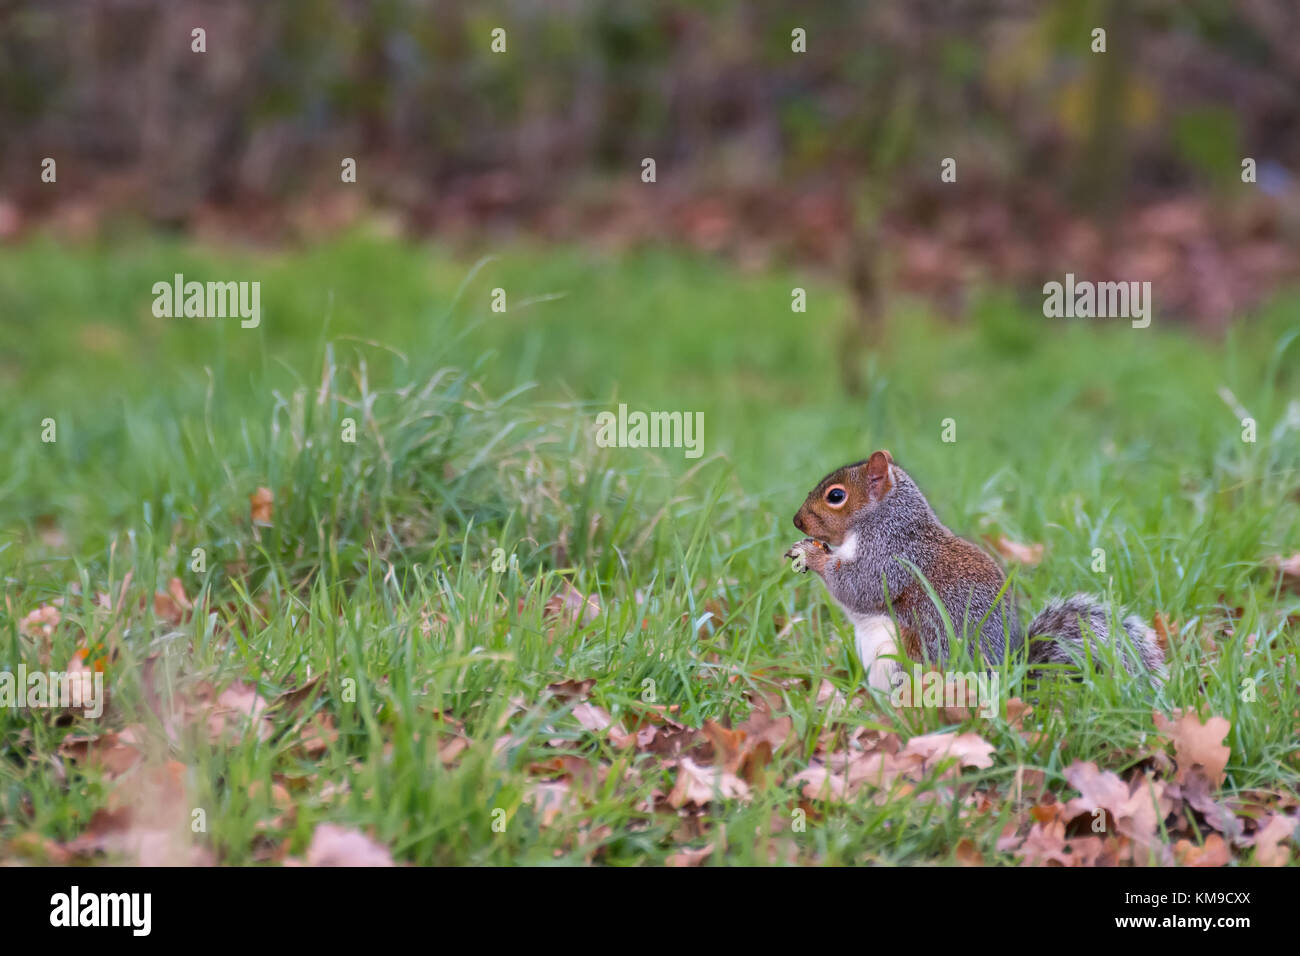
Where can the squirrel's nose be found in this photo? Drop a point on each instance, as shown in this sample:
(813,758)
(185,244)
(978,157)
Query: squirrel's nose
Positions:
(798,522)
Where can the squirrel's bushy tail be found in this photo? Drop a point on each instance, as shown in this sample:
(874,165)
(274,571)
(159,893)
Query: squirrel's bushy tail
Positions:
(1058,633)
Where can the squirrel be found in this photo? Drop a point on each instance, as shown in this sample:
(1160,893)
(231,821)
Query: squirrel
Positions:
(867,521)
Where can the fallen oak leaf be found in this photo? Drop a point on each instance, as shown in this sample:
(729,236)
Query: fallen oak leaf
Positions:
(115,752)
(753,766)
(655,732)
(40,622)
(32,846)
(1137,811)
(592,717)
(1098,789)
(549,799)
(842,775)
(621,739)
(597,720)
(1197,744)
(687,857)
(970,749)
(727,744)
(147,820)
(104,834)
(1045,812)
(572,606)
(333,845)
(668,741)
(280,801)
(1015,712)
(572,768)
(656,714)
(259,504)
(295,697)
(1045,844)
(1215,852)
(699,785)
(1257,804)
(967,854)
(571,689)
(1095,851)
(1009,840)
(763,725)
(831,698)
(1269,850)
(453,748)
(1028,782)
(1195,791)
(317,736)
(173,606)
(238,706)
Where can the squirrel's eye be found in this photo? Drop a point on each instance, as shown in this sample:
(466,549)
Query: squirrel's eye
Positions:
(835,496)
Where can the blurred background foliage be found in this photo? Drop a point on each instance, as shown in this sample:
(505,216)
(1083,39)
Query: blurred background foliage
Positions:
(1125,164)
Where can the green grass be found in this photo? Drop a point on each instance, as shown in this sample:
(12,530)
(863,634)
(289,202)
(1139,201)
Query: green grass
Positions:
(474,432)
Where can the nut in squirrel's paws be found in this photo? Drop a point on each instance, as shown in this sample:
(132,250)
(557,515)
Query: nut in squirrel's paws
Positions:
(802,551)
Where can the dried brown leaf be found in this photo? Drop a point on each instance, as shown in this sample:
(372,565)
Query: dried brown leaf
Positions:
(687,857)
(260,503)
(699,785)
(1214,852)
(572,606)
(333,845)
(1269,839)
(1197,744)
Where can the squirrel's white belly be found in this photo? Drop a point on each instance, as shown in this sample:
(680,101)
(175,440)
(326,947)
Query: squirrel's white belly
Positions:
(876,638)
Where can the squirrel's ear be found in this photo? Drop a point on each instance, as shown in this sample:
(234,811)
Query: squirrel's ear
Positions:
(878,464)
(878,480)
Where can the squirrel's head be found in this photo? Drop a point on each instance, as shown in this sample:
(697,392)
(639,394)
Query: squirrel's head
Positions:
(842,496)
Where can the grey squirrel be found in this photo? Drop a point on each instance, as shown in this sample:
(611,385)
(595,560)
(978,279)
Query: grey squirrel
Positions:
(867,521)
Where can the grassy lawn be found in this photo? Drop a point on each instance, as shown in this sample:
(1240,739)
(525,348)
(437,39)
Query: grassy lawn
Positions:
(354,656)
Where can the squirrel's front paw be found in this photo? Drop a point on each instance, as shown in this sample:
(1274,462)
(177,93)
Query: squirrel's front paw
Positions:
(808,553)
